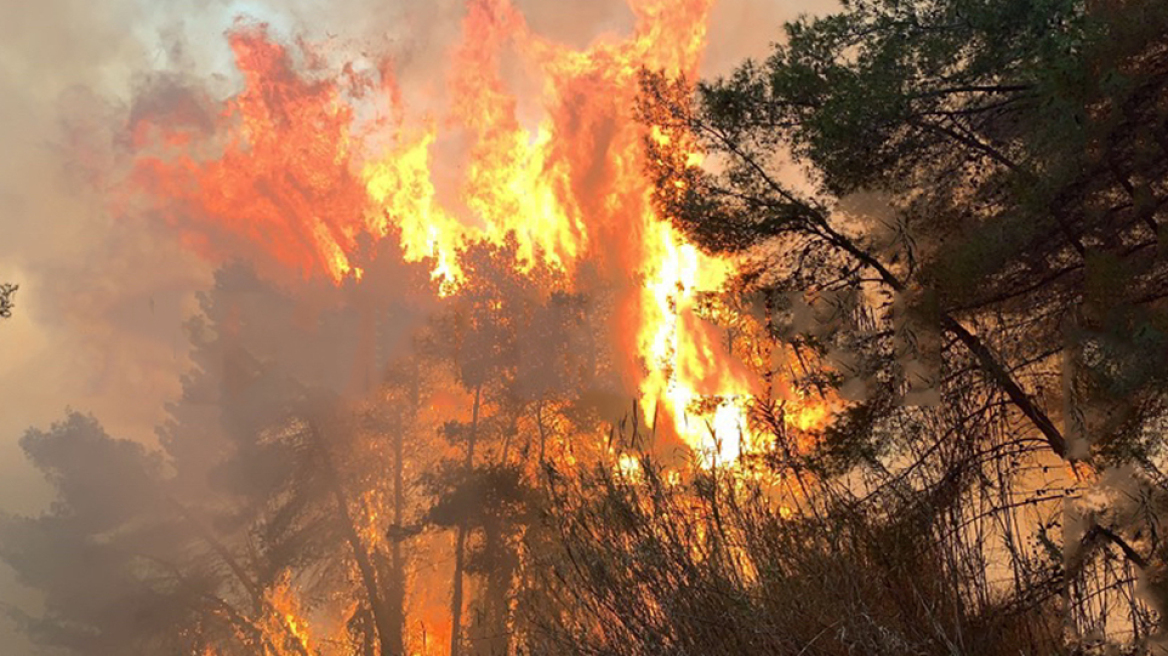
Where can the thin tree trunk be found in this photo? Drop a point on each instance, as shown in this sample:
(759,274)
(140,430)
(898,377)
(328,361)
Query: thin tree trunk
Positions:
(397,583)
(542,434)
(460,544)
(494,637)
(396,588)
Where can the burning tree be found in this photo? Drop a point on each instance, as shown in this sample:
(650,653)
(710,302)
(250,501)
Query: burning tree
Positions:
(521,351)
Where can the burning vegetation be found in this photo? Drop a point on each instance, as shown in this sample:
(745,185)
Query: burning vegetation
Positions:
(860,349)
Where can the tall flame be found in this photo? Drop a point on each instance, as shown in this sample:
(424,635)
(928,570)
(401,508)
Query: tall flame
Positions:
(296,178)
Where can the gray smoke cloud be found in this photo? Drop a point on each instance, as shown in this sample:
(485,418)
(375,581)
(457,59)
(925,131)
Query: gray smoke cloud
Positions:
(98,324)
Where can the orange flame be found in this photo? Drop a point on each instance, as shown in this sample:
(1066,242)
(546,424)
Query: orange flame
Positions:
(284,179)
(296,179)
(291,623)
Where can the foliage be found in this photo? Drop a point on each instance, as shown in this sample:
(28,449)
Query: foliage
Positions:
(986,183)
(712,566)
(7,291)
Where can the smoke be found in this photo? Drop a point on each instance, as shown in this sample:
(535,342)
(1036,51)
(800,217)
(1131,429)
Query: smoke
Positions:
(741,29)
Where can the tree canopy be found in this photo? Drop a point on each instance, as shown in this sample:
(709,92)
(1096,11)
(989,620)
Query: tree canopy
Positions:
(978,189)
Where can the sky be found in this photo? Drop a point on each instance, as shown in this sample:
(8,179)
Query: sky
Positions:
(98,323)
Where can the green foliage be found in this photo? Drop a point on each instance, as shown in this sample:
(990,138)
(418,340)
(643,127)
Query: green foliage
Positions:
(991,177)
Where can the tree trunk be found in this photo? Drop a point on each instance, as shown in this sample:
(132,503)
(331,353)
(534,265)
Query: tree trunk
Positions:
(542,433)
(460,544)
(397,583)
(494,638)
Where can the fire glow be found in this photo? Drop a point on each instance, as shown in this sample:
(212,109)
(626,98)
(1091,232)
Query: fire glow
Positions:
(303,179)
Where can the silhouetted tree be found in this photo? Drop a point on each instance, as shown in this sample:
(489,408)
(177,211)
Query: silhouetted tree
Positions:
(7,291)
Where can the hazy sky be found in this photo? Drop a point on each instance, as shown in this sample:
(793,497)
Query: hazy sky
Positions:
(98,321)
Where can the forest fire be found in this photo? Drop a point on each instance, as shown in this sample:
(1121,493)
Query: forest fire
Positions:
(301,178)
(487,328)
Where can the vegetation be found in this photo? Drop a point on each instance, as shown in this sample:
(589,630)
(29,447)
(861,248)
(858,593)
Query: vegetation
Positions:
(7,291)
(983,234)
